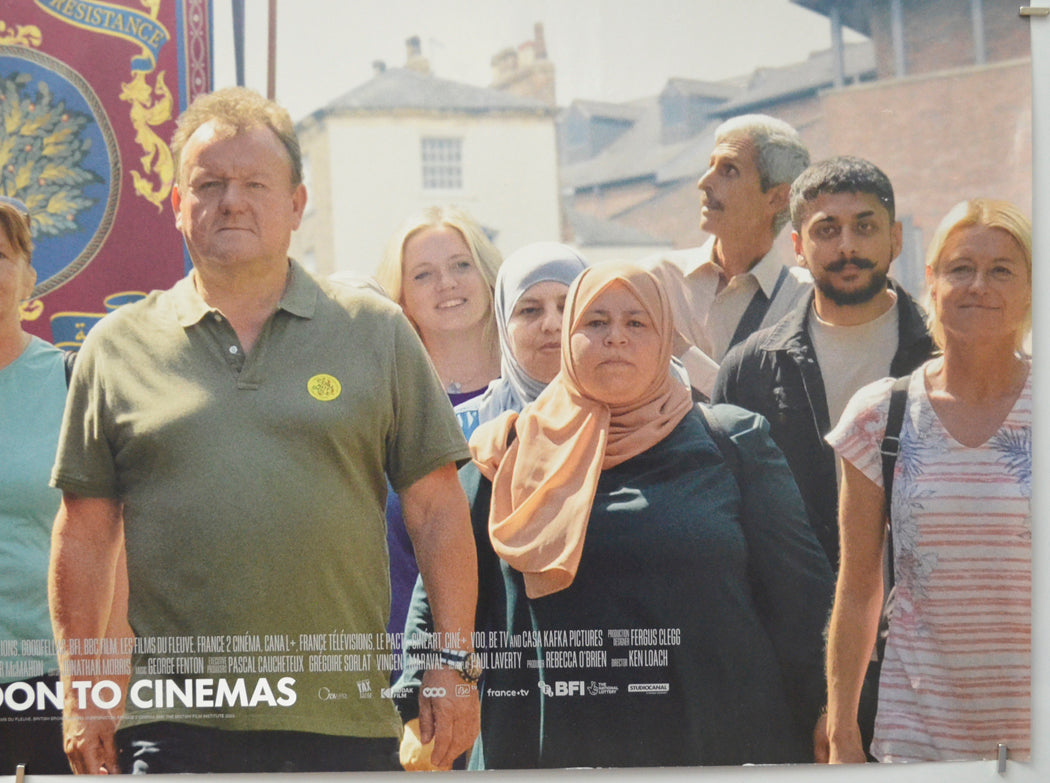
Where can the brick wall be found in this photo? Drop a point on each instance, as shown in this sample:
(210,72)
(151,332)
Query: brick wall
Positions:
(942,138)
(950,131)
(938,34)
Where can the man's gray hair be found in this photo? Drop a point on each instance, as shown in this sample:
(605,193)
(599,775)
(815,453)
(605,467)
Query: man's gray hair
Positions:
(780,154)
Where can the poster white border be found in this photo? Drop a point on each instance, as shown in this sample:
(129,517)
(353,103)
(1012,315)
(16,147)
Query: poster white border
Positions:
(1034,771)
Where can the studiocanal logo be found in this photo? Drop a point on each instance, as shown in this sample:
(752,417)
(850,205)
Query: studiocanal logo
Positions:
(649,687)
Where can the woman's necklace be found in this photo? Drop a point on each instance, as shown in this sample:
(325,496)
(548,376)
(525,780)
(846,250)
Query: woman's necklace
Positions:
(474,380)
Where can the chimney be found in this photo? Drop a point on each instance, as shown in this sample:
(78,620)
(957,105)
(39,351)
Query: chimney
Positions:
(526,71)
(504,66)
(415,60)
(539,45)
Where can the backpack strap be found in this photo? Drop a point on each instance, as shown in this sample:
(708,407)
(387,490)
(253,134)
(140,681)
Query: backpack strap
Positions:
(891,442)
(890,448)
(756,310)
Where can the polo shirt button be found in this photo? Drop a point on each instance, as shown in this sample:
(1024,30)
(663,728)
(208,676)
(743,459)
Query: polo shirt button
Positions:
(233,349)
(217,318)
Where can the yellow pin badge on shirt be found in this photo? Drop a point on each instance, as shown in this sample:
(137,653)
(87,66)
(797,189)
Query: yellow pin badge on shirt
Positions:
(324,387)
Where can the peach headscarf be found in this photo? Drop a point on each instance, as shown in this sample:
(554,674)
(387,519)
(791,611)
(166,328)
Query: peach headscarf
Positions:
(543,483)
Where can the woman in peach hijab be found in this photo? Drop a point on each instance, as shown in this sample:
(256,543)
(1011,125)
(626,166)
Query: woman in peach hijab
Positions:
(653,561)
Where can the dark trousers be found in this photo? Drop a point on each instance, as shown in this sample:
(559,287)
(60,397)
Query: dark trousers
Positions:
(162,748)
(33,737)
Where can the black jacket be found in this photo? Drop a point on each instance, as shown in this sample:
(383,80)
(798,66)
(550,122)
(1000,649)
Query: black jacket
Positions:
(775,373)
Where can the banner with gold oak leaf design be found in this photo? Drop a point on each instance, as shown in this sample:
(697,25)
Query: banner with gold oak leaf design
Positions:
(89,93)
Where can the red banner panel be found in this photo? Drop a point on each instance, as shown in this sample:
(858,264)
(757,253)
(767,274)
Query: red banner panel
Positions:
(89,93)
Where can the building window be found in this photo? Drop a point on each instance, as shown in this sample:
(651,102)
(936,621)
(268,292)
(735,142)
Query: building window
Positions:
(442,164)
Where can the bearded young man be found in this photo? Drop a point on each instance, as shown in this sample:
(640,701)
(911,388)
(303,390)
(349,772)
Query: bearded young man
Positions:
(855,327)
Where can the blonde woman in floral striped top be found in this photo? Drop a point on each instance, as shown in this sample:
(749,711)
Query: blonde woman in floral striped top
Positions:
(956,674)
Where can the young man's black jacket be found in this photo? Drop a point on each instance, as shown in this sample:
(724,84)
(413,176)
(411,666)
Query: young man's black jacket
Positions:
(775,373)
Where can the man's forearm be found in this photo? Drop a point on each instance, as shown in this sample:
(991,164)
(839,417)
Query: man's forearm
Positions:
(87,581)
(438,520)
(87,595)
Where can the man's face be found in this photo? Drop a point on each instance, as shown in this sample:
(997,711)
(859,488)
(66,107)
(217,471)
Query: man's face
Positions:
(847,242)
(235,202)
(732,203)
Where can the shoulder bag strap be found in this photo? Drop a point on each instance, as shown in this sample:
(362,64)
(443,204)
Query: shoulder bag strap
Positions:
(756,310)
(891,444)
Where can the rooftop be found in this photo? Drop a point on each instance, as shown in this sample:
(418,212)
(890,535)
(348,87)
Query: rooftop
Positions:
(395,89)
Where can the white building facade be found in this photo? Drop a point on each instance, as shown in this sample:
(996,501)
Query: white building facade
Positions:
(406,140)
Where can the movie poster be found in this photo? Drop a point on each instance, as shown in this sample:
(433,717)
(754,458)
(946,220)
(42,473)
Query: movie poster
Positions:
(106,236)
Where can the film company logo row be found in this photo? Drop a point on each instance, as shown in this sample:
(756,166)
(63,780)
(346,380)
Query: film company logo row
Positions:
(433,693)
(550,690)
(583,688)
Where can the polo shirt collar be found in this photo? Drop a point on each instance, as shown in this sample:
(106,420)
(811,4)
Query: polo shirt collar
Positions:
(301,292)
(190,307)
(299,297)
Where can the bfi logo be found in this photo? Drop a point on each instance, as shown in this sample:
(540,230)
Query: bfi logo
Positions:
(568,688)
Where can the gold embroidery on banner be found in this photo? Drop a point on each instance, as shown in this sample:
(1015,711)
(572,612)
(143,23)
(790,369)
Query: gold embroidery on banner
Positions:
(151,106)
(22,35)
(145,115)
(31,309)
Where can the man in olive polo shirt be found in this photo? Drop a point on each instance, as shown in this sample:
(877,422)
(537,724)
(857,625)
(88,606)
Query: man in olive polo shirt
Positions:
(234,436)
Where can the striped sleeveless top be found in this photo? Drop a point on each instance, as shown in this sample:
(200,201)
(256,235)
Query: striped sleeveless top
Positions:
(956,677)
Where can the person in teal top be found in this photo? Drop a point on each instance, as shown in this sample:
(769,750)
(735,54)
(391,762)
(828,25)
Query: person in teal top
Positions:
(32,396)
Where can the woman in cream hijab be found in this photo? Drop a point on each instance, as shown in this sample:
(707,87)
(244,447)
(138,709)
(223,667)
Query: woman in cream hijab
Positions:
(672,596)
